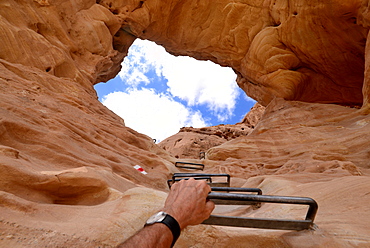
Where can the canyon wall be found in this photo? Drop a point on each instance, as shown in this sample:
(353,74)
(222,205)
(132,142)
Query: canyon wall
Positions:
(192,143)
(298,50)
(67,163)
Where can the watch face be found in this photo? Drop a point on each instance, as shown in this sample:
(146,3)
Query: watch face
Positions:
(158,217)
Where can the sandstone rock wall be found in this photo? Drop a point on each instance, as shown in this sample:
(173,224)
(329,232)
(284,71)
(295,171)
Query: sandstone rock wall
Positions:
(298,50)
(66,162)
(192,142)
(64,158)
(296,137)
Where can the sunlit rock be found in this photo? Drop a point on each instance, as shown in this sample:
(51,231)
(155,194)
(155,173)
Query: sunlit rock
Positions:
(67,163)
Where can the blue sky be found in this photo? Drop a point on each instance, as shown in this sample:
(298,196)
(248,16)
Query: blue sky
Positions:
(157,93)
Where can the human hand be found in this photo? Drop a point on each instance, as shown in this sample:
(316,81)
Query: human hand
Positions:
(187,202)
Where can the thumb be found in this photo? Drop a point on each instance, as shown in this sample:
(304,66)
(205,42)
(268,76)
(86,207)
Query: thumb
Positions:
(210,205)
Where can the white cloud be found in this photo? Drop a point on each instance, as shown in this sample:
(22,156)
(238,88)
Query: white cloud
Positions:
(156,115)
(142,57)
(196,82)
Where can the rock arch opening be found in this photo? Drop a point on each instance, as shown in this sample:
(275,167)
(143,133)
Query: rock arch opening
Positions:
(157,93)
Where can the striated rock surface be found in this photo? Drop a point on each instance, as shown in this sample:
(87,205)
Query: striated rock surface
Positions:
(303,50)
(66,162)
(194,142)
(296,137)
(63,155)
(252,118)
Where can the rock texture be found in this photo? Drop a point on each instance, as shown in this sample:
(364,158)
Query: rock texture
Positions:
(66,162)
(63,155)
(297,137)
(194,142)
(303,50)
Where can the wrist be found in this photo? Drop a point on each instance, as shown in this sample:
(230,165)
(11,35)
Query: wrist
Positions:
(167,220)
(177,217)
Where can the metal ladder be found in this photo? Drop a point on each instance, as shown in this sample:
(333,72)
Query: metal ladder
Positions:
(249,196)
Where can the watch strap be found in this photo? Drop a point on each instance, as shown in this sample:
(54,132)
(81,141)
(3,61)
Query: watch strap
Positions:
(174,226)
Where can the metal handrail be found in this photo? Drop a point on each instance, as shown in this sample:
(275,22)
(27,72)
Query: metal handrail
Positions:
(262,222)
(200,175)
(172,181)
(200,166)
(250,199)
(234,189)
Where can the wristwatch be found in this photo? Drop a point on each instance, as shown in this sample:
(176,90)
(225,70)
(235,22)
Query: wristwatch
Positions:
(169,221)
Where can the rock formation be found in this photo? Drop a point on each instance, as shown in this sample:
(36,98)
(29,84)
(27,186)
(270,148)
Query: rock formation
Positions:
(194,142)
(67,163)
(293,50)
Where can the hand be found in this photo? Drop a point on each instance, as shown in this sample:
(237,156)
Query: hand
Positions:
(187,202)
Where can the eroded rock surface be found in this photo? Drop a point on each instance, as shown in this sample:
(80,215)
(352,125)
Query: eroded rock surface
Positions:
(303,50)
(192,142)
(66,162)
(296,137)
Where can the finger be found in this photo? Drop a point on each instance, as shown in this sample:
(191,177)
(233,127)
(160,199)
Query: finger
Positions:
(189,181)
(204,187)
(174,186)
(210,206)
(209,189)
(178,184)
(174,192)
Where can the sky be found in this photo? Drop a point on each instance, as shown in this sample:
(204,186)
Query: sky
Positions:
(157,93)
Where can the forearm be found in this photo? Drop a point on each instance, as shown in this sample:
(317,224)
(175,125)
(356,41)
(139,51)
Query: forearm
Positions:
(156,235)
(185,205)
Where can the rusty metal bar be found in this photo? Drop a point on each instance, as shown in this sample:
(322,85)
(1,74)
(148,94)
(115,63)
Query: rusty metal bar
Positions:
(194,166)
(212,183)
(172,181)
(237,202)
(259,223)
(233,189)
(202,155)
